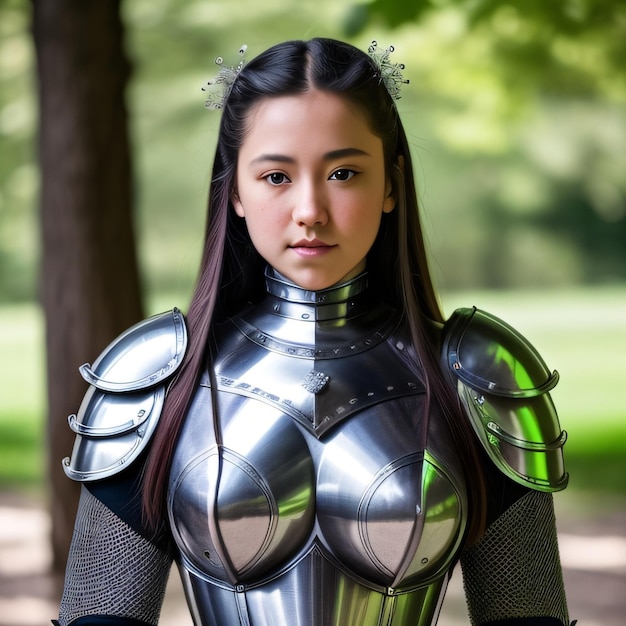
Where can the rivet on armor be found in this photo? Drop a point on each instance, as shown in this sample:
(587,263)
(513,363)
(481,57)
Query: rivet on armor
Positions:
(240,588)
(424,561)
(306,316)
(353,401)
(389,387)
(400,345)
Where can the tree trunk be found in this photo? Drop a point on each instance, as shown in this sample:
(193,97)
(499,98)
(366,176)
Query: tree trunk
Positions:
(90,287)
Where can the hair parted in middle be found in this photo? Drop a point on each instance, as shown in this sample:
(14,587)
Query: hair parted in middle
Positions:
(231,273)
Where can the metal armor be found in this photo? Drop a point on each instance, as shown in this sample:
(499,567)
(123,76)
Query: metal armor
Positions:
(504,383)
(123,403)
(312,482)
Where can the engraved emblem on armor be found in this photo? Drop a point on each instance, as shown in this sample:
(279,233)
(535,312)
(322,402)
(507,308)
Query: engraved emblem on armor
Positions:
(314,381)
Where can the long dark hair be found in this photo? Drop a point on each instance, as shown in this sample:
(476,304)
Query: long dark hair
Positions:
(231,271)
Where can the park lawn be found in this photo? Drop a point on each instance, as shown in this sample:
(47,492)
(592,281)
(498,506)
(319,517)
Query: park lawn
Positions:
(22,393)
(581,332)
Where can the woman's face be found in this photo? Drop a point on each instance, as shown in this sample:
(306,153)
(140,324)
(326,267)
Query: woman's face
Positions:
(311,186)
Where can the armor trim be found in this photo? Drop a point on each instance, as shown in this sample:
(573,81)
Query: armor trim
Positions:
(504,385)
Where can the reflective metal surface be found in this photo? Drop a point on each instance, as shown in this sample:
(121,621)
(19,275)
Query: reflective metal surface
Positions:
(487,354)
(316,494)
(313,592)
(504,384)
(144,355)
(123,404)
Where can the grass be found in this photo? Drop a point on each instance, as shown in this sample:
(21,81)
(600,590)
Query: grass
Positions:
(583,332)
(22,423)
(22,453)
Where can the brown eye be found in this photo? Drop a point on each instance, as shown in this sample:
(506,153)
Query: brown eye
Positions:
(276,178)
(342,174)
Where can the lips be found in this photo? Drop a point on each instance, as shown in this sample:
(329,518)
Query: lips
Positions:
(312,248)
(313,243)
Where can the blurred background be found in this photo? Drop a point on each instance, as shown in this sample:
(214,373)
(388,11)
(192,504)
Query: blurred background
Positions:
(516,113)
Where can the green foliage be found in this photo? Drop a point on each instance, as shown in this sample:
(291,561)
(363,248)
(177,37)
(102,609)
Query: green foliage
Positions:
(18,174)
(519,126)
(573,47)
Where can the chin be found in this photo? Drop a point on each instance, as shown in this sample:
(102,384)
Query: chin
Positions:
(313,282)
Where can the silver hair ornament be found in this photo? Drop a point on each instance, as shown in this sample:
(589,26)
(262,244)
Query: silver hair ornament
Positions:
(219,87)
(390,74)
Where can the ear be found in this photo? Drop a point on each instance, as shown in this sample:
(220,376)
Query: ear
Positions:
(389,203)
(396,178)
(234,198)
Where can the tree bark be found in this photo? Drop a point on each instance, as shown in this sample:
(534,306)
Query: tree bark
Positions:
(90,286)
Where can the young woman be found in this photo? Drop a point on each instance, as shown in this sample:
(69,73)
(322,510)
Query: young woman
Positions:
(313,445)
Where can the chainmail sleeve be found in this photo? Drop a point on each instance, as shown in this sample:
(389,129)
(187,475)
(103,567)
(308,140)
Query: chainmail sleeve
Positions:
(112,569)
(514,571)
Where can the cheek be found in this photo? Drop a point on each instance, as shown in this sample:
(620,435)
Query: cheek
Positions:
(264,225)
(360,212)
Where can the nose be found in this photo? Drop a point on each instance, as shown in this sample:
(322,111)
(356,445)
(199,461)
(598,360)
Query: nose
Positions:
(311,206)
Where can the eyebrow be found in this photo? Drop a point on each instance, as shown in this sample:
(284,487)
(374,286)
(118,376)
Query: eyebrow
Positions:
(328,156)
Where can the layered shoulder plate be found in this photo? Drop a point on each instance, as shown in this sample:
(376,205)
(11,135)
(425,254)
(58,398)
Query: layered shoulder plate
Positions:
(504,385)
(123,404)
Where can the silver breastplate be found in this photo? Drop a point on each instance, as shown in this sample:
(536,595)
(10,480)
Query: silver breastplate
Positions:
(314,486)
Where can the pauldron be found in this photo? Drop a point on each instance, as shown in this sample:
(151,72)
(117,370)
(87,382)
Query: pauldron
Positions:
(124,401)
(504,386)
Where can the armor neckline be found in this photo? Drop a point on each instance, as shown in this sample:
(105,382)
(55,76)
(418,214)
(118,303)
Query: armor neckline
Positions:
(292,319)
(280,286)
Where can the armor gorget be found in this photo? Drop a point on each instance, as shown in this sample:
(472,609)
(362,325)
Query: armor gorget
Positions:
(313,482)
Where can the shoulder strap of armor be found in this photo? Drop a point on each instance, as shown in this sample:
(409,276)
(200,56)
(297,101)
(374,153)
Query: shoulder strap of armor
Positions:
(123,404)
(504,386)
